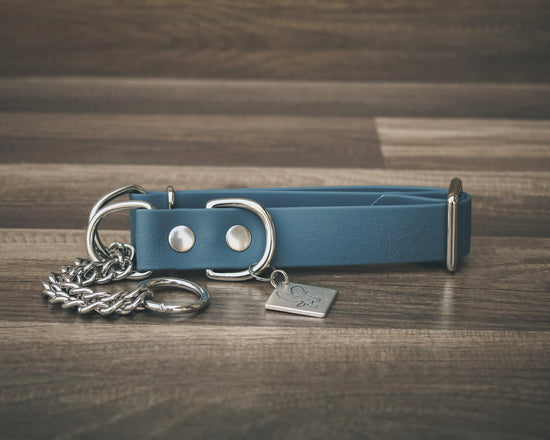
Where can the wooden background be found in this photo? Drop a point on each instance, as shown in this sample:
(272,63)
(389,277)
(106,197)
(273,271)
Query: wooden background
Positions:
(95,95)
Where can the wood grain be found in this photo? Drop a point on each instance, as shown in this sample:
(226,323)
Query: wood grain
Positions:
(373,382)
(407,351)
(288,98)
(60,196)
(470,144)
(492,40)
(189,140)
(480,296)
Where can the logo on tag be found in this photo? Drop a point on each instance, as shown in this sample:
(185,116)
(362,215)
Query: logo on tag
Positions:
(297,294)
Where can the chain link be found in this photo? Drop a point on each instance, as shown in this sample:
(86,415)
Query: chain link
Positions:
(70,287)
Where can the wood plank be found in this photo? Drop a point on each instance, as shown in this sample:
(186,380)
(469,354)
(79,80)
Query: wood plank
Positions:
(61,195)
(492,40)
(238,382)
(501,285)
(288,98)
(466,144)
(189,140)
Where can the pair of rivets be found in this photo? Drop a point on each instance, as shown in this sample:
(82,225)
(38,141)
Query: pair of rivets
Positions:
(182,238)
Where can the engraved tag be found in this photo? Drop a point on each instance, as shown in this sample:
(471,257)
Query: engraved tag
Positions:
(301,299)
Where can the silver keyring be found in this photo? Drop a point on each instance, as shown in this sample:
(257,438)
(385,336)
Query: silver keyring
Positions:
(194,288)
(273,277)
(256,275)
(93,242)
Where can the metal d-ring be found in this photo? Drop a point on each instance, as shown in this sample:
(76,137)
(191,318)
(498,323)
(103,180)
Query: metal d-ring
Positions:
(103,201)
(269,226)
(190,286)
(93,242)
(171,196)
(128,189)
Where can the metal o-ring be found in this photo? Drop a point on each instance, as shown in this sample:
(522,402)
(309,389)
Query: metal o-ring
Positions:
(190,286)
(274,274)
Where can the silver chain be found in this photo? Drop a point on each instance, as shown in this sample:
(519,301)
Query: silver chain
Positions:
(70,287)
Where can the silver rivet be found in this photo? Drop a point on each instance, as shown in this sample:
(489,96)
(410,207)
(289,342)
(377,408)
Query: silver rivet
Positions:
(238,238)
(181,238)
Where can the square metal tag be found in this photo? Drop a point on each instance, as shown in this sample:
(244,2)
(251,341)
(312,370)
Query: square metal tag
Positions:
(301,299)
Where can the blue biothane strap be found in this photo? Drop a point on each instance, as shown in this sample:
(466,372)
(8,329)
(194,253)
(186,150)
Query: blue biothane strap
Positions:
(315,226)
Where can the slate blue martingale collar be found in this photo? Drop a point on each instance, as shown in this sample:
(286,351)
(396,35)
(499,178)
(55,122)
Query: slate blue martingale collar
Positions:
(299,227)
(240,234)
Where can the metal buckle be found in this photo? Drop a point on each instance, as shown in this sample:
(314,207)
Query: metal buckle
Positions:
(455,188)
(261,212)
